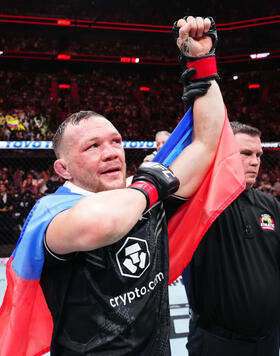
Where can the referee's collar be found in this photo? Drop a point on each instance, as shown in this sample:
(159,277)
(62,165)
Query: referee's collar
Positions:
(75,189)
(249,194)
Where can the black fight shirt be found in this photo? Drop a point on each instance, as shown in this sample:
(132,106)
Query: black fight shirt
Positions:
(114,300)
(234,274)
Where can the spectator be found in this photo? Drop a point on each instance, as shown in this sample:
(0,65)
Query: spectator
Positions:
(26,204)
(161,137)
(18,177)
(29,184)
(6,208)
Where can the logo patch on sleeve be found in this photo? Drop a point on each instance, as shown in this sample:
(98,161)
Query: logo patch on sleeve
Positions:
(267,222)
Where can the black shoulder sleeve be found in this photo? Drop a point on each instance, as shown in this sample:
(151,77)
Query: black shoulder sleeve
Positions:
(52,259)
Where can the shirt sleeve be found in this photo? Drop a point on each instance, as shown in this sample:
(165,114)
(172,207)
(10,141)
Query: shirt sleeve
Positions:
(52,259)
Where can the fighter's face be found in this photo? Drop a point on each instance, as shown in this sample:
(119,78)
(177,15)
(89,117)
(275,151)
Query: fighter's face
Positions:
(160,141)
(95,158)
(251,151)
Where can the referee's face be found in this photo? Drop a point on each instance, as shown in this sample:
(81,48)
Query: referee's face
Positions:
(95,158)
(250,151)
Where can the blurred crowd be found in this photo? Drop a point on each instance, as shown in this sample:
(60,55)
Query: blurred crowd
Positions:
(19,191)
(32,104)
(126,47)
(269,181)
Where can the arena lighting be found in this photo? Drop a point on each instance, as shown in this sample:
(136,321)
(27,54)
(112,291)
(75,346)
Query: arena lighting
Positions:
(125,60)
(237,25)
(52,21)
(1,52)
(235,77)
(144,89)
(129,60)
(36,55)
(254,86)
(259,55)
(64,86)
(63,56)
(63,22)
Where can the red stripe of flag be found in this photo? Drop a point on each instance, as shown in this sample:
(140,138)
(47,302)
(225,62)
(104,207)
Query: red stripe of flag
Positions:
(25,323)
(223,183)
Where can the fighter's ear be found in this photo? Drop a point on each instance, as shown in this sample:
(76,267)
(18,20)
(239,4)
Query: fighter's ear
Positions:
(61,169)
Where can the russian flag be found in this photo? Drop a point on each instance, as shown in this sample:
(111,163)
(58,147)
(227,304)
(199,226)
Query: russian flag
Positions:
(25,320)
(224,181)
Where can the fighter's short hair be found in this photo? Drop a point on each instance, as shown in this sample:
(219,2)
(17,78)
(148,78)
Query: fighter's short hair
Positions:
(73,119)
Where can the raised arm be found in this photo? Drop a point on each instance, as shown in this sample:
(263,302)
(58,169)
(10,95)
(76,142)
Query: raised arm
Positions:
(208,110)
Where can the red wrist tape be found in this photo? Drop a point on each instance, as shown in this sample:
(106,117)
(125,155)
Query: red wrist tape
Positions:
(205,67)
(149,188)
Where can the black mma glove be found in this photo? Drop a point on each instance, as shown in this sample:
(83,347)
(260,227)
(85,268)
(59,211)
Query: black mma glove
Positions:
(192,89)
(155,181)
(205,66)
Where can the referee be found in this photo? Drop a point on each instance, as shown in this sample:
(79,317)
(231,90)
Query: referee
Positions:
(234,287)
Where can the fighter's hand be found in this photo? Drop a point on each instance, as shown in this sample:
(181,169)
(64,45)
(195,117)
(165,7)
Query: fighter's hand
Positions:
(193,40)
(155,181)
(197,40)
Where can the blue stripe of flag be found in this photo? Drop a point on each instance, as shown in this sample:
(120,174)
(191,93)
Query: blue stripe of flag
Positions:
(177,141)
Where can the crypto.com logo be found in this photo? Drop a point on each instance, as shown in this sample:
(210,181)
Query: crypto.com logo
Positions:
(133,257)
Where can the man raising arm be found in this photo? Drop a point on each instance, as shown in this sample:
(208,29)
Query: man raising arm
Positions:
(112,246)
(106,266)
(192,164)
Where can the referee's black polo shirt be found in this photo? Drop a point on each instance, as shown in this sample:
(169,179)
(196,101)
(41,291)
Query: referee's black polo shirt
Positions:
(234,276)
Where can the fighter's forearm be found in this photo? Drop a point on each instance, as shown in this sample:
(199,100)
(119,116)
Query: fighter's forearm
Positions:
(193,163)
(209,114)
